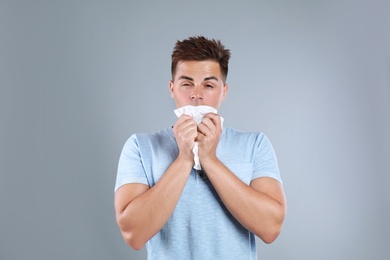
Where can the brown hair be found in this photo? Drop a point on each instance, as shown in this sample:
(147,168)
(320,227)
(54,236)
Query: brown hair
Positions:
(201,49)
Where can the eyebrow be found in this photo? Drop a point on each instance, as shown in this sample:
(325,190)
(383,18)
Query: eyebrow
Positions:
(185,77)
(211,78)
(205,79)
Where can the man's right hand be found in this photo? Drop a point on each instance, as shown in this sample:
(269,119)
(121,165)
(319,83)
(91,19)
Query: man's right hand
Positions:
(185,131)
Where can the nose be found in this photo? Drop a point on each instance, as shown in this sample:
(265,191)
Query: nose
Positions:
(196,95)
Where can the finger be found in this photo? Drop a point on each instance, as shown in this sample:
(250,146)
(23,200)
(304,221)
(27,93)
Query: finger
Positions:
(200,137)
(183,122)
(182,119)
(212,122)
(215,118)
(206,126)
(185,126)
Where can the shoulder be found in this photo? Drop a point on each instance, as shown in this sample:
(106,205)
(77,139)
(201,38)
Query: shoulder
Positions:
(238,135)
(150,137)
(150,141)
(245,140)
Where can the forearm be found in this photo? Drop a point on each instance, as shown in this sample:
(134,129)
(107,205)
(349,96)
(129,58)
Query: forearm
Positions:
(255,210)
(144,216)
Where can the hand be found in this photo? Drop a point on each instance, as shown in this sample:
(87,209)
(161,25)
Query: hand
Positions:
(209,132)
(185,131)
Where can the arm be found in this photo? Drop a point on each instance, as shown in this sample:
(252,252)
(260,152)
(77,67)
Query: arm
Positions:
(260,207)
(142,211)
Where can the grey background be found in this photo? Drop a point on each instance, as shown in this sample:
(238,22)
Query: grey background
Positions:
(78,77)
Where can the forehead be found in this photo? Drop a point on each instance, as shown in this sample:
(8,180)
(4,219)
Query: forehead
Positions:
(198,69)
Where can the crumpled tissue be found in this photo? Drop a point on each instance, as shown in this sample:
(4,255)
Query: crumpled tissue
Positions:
(197,113)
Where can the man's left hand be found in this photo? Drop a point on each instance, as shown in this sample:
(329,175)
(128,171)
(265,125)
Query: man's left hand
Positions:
(209,132)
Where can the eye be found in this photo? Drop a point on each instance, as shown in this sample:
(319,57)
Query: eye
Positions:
(187,82)
(209,86)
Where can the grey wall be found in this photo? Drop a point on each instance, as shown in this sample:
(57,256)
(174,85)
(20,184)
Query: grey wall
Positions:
(78,77)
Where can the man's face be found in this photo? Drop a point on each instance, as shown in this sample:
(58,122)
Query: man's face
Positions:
(198,83)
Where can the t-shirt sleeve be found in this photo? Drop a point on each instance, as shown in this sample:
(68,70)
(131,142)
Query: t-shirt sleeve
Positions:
(265,161)
(130,167)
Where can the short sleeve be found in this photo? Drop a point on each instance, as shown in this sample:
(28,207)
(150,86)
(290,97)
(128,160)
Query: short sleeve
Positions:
(265,161)
(130,167)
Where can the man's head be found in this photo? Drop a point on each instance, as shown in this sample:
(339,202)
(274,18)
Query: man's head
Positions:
(201,49)
(199,70)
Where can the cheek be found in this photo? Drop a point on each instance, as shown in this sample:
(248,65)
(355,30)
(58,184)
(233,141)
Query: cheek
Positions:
(181,97)
(217,96)
(213,99)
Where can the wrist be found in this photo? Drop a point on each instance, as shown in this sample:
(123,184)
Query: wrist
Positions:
(185,159)
(207,160)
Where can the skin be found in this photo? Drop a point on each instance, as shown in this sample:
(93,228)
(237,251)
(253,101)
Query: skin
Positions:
(142,211)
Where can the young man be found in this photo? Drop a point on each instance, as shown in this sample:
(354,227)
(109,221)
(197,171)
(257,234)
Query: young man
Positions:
(212,213)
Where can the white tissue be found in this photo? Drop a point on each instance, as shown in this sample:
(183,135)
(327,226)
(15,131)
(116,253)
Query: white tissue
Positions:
(197,113)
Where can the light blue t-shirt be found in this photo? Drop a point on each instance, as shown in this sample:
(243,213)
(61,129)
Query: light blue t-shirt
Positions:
(200,227)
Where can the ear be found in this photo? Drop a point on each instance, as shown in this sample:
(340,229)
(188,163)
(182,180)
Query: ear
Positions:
(225,91)
(171,88)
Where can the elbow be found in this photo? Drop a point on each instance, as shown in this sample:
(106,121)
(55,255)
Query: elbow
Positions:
(130,236)
(271,231)
(133,241)
(269,234)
